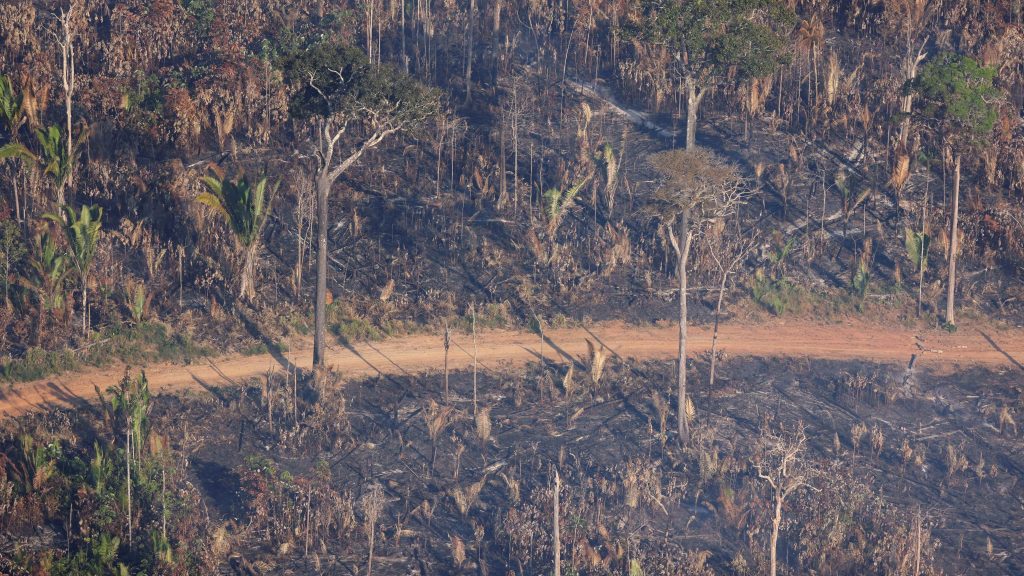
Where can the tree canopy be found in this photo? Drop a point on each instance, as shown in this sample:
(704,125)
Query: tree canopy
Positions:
(695,180)
(330,79)
(712,36)
(958,93)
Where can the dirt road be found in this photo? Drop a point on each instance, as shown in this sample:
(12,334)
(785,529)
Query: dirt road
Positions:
(420,353)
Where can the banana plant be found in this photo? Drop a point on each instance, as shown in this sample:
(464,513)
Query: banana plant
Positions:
(245,207)
(82,231)
(48,269)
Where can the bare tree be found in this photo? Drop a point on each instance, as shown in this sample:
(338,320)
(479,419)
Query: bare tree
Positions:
(727,256)
(66,41)
(779,462)
(908,19)
(699,191)
(372,504)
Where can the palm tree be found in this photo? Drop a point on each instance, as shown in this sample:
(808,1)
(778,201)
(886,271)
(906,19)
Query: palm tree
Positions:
(10,106)
(245,207)
(56,160)
(47,271)
(82,231)
(12,114)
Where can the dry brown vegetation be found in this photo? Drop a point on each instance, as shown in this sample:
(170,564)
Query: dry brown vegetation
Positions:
(320,493)
(489,164)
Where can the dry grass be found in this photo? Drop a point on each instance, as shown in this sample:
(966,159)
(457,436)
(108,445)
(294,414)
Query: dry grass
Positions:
(466,498)
(1006,421)
(567,381)
(458,550)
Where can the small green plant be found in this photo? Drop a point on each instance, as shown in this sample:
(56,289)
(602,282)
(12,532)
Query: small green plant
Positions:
(861,277)
(101,470)
(57,162)
(917,244)
(82,231)
(557,202)
(136,301)
(48,269)
(770,287)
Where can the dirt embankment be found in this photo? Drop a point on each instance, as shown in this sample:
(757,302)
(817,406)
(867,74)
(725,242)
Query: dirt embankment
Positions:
(502,348)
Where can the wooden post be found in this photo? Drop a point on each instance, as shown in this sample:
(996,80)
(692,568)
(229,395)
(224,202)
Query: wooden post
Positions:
(555,531)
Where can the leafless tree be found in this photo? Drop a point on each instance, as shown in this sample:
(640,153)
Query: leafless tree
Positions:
(779,462)
(727,255)
(699,191)
(66,41)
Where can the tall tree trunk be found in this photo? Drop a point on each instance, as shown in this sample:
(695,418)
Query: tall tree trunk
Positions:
(776,522)
(69,89)
(323,186)
(470,17)
(954,243)
(714,333)
(921,253)
(910,64)
(555,536)
(682,255)
(247,289)
(693,100)
(85,305)
(128,475)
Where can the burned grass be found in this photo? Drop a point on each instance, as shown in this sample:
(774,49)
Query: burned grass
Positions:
(906,472)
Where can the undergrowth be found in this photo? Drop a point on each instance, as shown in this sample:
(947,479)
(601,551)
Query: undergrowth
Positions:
(132,344)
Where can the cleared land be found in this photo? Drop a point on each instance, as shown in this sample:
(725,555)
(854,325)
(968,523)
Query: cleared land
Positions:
(419,353)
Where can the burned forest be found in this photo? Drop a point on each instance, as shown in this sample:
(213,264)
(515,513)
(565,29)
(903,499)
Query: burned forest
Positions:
(511,287)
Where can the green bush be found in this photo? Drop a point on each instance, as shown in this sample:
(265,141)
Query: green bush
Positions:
(38,363)
(137,344)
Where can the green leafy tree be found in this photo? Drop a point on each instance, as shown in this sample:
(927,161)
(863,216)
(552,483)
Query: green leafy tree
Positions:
(82,230)
(959,103)
(710,39)
(245,207)
(129,410)
(47,271)
(339,93)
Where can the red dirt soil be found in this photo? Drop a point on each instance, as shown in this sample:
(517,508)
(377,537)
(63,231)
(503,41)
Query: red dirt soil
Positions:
(418,353)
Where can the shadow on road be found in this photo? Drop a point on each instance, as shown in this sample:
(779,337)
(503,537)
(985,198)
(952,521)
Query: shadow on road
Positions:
(999,349)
